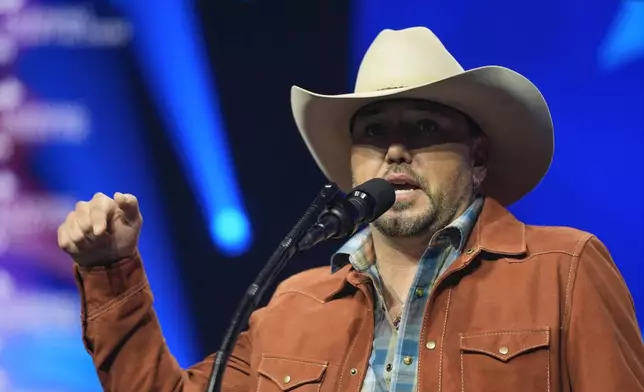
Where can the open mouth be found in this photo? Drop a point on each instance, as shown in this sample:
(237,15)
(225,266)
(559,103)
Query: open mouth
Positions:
(403,184)
(404,187)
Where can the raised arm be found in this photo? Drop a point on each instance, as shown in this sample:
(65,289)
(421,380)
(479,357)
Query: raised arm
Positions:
(120,328)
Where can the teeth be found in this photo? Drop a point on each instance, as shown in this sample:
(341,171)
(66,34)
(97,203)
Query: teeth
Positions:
(399,191)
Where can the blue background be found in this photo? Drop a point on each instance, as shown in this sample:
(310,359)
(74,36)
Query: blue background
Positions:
(193,118)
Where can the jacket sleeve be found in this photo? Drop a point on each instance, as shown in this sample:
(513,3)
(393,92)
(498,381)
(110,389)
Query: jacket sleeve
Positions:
(603,343)
(121,332)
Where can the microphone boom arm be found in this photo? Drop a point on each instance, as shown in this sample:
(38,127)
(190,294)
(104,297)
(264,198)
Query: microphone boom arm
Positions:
(253,295)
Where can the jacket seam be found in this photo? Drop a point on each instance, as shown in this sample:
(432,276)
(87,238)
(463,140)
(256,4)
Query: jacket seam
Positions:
(348,358)
(572,274)
(273,304)
(548,252)
(117,265)
(116,302)
(295,291)
(443,333)
(507,332)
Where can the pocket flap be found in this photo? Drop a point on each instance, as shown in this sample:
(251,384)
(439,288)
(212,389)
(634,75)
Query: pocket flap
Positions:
(288,373)
(505,345)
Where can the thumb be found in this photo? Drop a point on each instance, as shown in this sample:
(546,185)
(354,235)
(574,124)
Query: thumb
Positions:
(129,205)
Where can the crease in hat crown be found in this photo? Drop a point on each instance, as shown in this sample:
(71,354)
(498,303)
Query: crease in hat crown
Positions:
(405,58)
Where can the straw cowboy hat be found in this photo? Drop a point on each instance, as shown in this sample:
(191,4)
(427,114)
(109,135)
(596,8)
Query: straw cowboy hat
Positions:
(413,63)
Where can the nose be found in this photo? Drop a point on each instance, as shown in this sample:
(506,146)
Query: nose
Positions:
(398,153)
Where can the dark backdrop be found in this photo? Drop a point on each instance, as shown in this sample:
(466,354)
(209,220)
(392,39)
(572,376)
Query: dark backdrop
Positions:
(257,50)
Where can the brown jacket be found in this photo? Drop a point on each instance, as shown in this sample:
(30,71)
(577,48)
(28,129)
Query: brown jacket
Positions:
(524,308)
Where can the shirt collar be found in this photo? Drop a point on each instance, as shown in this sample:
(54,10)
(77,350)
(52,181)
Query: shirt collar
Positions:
(358,250)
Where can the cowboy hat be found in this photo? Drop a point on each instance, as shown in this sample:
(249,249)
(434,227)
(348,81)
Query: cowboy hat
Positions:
(413,63)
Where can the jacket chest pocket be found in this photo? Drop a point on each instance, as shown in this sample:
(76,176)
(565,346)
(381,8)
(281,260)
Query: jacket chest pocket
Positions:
(289,374)
(506,361)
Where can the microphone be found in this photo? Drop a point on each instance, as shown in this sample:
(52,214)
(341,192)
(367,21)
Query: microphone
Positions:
(325,218)
(362,205)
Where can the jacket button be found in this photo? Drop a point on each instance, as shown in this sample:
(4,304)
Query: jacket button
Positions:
(353,371)
(469,251)
(287,379)
(431,345)
(504,350)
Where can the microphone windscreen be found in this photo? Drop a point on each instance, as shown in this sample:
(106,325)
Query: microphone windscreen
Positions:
(382,193)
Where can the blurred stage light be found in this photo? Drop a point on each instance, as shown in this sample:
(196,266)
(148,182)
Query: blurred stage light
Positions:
(229,225)
(76,127)
(169,48)
(625,40)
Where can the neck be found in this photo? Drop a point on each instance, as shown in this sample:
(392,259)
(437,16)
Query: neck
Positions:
(398,257)
(397,261)
(403,252)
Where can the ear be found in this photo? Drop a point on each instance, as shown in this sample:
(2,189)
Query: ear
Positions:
(478,175)
(480,149)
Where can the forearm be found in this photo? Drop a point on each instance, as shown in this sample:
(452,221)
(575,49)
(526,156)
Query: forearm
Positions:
(123,335)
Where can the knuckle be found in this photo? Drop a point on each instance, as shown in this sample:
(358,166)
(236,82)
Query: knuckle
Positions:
(80,205)
(82,220)
(97,214)
(62,237)
(76,237)
(100,198)
(65,245)
(101,201)
(82,214)
(85,225)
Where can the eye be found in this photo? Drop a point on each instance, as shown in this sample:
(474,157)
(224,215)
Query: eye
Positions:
(427,126)
(374,130)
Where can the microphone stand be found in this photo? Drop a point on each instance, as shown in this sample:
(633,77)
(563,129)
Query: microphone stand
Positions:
(287,248)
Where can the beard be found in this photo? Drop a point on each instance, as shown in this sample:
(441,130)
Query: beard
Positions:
(401,222)
(405,224)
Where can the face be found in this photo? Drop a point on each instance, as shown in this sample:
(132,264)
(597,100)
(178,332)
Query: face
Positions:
(432,154)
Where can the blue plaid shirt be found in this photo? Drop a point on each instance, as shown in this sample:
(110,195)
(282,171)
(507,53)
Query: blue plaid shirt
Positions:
(394,355)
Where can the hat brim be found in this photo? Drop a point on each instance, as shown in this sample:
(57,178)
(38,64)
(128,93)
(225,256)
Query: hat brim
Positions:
(509,109)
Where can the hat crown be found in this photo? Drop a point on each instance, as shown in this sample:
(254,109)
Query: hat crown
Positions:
(405,58)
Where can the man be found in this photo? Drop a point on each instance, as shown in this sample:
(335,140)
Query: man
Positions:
(447,291)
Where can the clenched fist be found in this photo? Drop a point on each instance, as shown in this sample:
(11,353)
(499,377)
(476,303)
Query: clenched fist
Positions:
(103,230)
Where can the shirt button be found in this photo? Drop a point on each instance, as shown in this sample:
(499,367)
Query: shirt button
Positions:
(388,367)
(408,360)
(420,292)
(431,345)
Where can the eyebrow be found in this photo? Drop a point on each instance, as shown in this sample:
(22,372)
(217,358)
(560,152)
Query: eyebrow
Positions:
(369,111)
(416,106)
(426,106)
